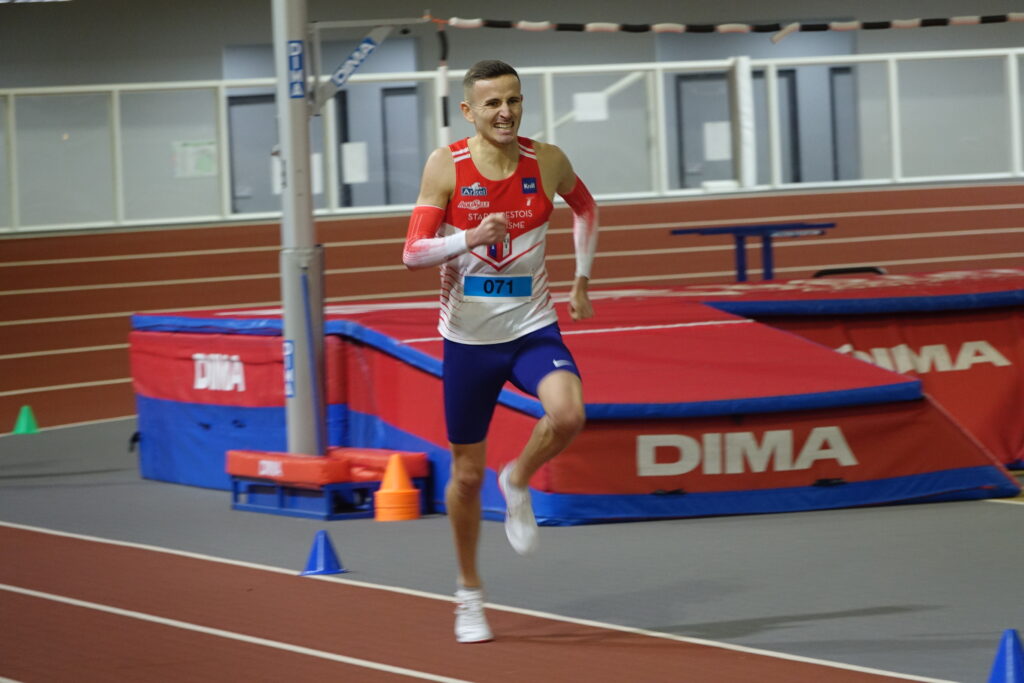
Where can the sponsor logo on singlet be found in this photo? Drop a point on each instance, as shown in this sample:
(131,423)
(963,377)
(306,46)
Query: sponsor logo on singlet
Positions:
(529,186)
(474,190)
(502,250)
(474,204)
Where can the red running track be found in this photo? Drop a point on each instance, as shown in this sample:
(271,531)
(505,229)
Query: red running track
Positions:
(84,609)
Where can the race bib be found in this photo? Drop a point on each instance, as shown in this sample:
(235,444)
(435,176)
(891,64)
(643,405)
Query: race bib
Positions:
(497,288)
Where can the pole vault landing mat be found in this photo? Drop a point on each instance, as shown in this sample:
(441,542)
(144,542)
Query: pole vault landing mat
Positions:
(692,411)
(959,332)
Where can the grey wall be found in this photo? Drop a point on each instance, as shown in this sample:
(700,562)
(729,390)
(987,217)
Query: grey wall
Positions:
(365,115)
(120,41)
(112,41)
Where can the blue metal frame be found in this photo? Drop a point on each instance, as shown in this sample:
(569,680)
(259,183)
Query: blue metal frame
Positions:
(765,232)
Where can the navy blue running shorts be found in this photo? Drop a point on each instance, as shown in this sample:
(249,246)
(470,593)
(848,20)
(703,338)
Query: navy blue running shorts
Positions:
(475,373)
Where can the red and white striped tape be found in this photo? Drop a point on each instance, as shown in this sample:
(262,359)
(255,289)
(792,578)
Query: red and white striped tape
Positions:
(780,30)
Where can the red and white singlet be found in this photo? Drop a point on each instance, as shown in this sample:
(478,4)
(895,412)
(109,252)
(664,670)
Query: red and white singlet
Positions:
(497,293)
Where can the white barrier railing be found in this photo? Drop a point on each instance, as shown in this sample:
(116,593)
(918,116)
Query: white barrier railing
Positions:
(87,180)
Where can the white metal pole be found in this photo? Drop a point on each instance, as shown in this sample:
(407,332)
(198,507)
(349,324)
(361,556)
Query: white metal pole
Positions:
(301,258)
(660,133)
(896,153)
(653,126)
(744,144)
(771,80)
(1013,106)
(548,88)
(117,156)
(442,98)
(12,161)
(329,114)
(220,96)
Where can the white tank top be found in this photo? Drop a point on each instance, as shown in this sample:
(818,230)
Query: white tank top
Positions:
(497,293)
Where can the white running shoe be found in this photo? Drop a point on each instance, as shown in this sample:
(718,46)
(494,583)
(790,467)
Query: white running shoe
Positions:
(520,524)
(470,622)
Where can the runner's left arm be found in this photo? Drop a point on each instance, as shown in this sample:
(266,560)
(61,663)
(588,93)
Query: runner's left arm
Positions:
(584,225)
(584,236)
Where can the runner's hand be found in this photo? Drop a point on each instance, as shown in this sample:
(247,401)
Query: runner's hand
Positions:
(580,307)
(491,230)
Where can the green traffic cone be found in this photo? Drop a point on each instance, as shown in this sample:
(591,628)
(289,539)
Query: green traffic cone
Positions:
(26,423)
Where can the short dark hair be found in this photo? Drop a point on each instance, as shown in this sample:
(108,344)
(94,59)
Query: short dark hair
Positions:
(484,70)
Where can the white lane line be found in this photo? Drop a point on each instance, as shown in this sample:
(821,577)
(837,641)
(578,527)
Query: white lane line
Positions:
(631,226)
(806,217)
(554,257)
(196,252)
(186,309)
(503,608)
(723,646)
(632,328)
(78,424)
(1009,501)
(794,269)
(60,352)
(231,635)
(63,387)
(666,326)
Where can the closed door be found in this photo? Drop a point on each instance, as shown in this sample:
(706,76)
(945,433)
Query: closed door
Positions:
(401,145)
(705,140)
(255,175)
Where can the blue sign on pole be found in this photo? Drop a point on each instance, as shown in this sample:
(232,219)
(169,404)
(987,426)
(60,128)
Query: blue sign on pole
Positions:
(289,368)
(296,69)
(358,56)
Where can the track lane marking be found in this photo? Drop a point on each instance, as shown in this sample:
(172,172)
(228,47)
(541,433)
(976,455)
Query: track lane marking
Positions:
(503,608)
(624,226)
(626,328)
(231,635)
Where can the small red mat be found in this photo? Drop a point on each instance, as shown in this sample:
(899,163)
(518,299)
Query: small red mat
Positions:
(338,465)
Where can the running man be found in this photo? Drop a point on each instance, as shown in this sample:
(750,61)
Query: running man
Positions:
(482,215)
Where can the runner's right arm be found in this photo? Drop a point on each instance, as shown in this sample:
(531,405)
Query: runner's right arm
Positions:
(423,246)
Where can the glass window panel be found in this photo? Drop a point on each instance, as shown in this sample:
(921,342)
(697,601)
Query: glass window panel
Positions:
(255,172)
(383,142)
(789,149)
(171,156)
(953,117)
(65,162)
(612,151)
(403,140)
(703,146)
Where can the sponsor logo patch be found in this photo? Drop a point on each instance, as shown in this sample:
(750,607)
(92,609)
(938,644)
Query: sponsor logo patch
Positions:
(270,468)
(474,204)
(529,186)
(474,190)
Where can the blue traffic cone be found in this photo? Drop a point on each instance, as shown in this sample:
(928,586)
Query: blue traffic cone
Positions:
(1009,664)
(322,558)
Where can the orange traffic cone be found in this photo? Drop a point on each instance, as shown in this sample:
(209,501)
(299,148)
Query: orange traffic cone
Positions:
(397,499)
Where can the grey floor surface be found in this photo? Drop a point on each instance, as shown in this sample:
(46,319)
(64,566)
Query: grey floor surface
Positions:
(924,590)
